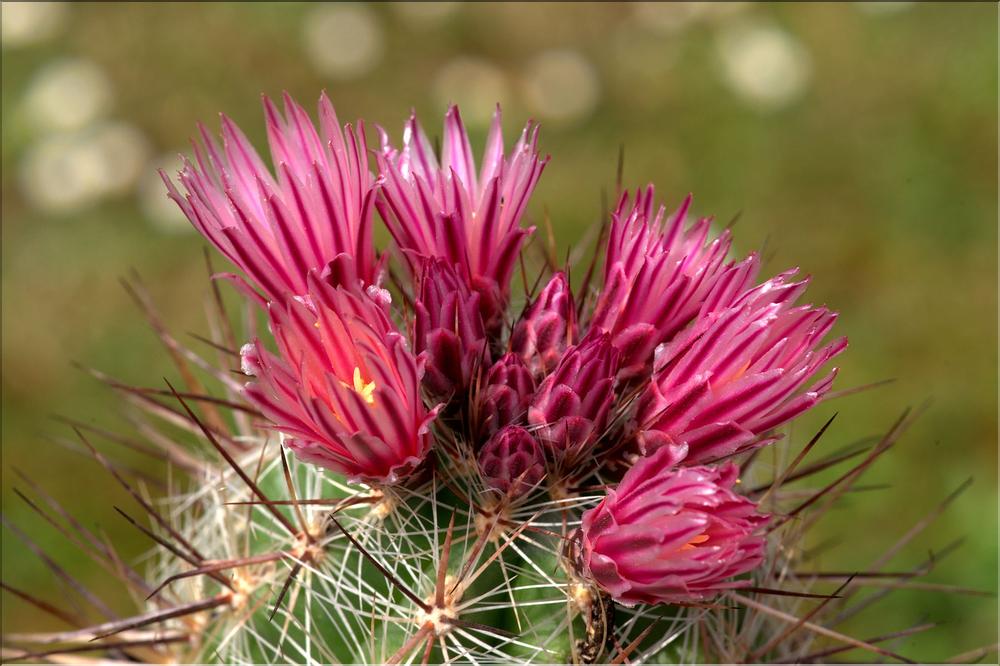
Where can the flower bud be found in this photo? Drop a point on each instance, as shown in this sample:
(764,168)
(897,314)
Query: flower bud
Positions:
(570,409)
(512,461)
(448,326)
(505,395)
(547,327)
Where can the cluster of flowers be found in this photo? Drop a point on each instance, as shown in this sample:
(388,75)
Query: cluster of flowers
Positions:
(677,363)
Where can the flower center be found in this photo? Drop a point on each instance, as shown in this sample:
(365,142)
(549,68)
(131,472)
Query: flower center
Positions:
(365,390)
(701,538)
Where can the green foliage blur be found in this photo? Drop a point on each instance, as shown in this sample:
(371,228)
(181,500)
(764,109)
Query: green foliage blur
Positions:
(857,142)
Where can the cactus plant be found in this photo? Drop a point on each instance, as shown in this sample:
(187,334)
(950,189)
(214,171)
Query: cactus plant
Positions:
(475,475)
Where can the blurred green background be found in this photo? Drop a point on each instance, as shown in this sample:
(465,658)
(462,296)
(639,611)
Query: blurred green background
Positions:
(857,140)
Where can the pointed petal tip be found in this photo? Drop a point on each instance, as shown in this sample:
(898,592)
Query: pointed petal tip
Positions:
(270,109)
(165,178)
(228,125)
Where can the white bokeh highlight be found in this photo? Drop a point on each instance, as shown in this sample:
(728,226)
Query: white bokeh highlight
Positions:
(763,64)
(343,40)
(561,85)
(66,95)
(475,84)
(66,171)
(28,23)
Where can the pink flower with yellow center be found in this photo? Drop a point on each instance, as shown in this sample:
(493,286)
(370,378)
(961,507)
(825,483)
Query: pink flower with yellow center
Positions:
(344,388)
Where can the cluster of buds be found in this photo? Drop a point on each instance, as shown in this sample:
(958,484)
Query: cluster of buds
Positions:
(647,389)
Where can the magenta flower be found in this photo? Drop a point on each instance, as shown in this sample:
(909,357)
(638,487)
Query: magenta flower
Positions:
(447,210)
(505,395)
(547,327)
(671,535)
(656,274)
(720,386)
(571,407)
(343,388)
(512,461)
(448,326)
(277,231)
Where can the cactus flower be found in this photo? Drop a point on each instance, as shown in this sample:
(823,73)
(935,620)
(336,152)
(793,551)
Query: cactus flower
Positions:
(448,210)
(671,535)
(278,230)
(738,372)
(344,389)
(512,461)
(656,274)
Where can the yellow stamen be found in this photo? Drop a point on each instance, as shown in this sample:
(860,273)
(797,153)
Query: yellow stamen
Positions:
(366,391)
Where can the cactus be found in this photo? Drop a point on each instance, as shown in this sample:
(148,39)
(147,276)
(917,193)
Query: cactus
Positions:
(446,497)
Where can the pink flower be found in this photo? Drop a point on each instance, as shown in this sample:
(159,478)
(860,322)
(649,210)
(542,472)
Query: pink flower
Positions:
(547,327)
(738,372)
(571,407)
(447,210)
(656,274)
(277,231)
(448,326)
(343,388)
(512,461)
(671,535)
(505,395)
